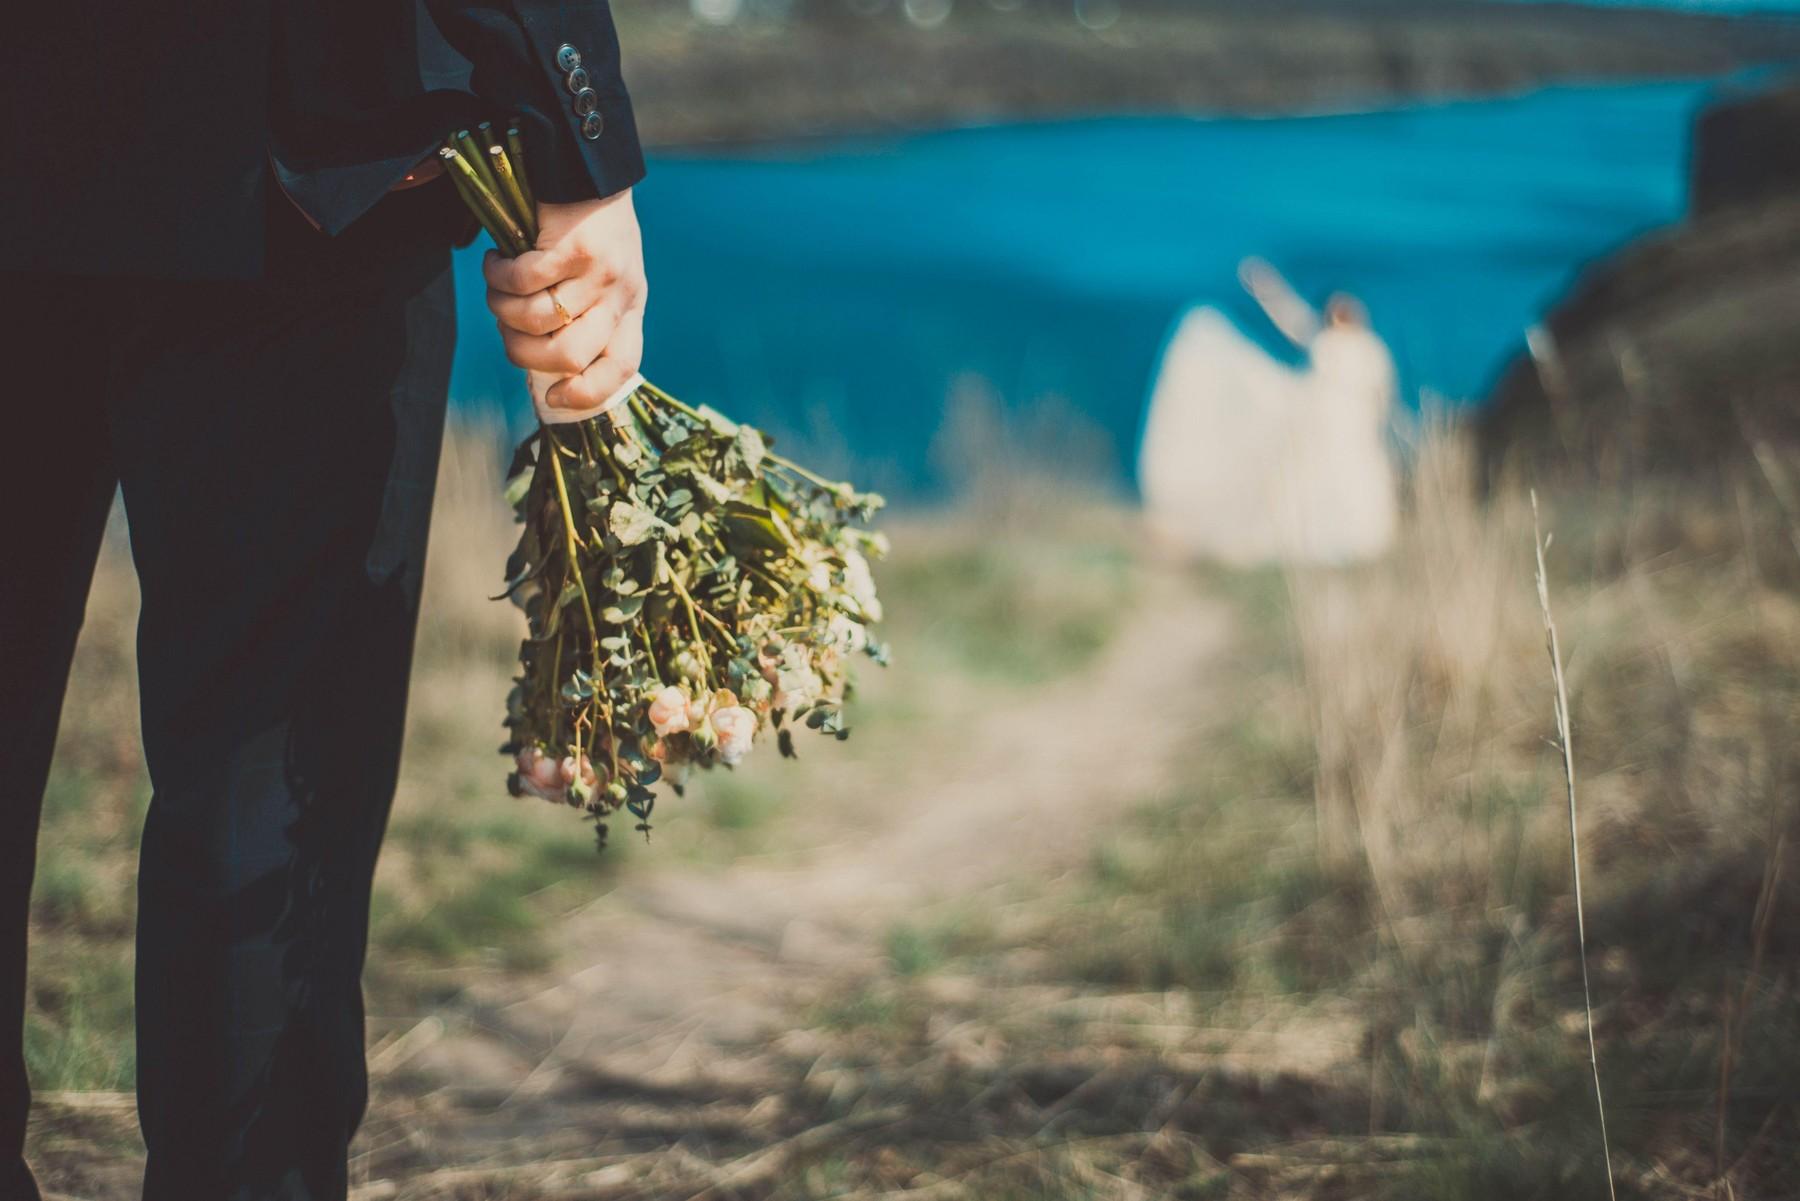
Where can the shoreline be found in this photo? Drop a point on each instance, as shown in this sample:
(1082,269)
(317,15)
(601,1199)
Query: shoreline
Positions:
(830,75)
(832,140)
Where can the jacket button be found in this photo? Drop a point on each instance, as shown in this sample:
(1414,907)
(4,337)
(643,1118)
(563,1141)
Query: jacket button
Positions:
(591,125)
(578,79)
(567,57)
(586,101)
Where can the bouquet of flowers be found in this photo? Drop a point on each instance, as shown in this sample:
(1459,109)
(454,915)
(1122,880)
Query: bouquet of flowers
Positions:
(687,589)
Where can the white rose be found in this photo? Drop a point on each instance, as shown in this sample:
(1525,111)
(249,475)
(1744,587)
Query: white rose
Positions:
(735,727)
(796,683)
(847,635)
(860,584)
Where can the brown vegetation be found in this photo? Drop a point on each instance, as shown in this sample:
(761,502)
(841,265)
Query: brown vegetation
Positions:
(1099,902)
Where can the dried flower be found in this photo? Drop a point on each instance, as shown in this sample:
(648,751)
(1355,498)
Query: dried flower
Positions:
(682,585)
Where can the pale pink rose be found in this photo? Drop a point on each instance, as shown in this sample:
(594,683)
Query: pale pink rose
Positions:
(669,712)
(736,727)
(540,775)
(569,767)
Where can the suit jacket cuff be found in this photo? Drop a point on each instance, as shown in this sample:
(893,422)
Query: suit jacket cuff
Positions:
(566,164)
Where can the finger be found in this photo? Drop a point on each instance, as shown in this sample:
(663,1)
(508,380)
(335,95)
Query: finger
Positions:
(570,349)
(624,355)
(536,313)
(534,270)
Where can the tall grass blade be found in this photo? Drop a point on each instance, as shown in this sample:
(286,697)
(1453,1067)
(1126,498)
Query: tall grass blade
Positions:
(1566,744)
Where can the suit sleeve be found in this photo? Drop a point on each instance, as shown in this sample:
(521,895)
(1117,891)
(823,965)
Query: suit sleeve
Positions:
(555,64)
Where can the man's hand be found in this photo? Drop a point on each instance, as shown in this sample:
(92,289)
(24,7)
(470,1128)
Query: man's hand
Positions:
(591,255)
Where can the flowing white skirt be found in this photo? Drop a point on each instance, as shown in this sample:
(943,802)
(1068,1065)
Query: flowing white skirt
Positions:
(1247,460)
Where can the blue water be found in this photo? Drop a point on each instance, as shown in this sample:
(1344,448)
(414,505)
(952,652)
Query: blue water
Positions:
(832,293)
(1760,7)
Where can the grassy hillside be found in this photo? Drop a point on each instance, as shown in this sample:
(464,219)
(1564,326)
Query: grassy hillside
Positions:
(1283,908)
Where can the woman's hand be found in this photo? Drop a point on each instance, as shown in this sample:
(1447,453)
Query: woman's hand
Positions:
(590,260)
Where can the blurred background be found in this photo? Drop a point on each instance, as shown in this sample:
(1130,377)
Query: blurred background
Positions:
(1207,837)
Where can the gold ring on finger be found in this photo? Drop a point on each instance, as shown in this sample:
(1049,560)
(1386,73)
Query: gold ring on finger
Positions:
(561,311)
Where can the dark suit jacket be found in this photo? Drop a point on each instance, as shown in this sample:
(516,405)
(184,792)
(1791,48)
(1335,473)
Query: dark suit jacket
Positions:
(142,138)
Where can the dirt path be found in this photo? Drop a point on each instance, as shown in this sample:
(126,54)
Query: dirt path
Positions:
(681,989)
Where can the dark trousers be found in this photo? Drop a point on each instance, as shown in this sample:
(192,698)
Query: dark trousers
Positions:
(276,444)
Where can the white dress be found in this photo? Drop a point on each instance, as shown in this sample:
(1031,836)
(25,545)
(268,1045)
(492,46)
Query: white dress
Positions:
(1247,460)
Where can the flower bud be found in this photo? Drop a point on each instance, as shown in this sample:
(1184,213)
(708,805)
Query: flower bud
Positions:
(573,770)
(704,737)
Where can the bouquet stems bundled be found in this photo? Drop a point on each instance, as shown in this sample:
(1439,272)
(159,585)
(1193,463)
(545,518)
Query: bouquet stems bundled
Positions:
(686,588)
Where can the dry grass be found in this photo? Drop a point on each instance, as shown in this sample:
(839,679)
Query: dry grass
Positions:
(1385,824)
(1335,959)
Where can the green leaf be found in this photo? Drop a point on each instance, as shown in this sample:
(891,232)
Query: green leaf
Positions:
(632,525)
(529,572)
(716,490)
(748,449)
(756,526)
(627,608)
(517,487)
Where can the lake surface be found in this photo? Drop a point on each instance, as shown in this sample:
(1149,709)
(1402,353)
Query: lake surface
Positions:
(834,293)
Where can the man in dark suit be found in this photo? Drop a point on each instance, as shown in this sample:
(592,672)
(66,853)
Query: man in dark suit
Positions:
(226,255)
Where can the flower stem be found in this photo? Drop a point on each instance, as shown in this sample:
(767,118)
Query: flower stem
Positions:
(587,607)
(771,456)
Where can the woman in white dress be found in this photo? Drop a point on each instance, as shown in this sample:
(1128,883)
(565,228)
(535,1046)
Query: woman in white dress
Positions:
(1247,460)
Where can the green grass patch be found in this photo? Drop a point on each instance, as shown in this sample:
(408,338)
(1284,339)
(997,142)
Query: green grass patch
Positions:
(484,885)
(78,1030)
(1020,611)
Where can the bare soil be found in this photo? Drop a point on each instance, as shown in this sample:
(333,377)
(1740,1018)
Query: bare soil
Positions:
(671,1044)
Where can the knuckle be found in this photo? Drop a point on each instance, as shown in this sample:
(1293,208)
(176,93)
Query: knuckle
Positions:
(525,350)
(503,275)
(566,357)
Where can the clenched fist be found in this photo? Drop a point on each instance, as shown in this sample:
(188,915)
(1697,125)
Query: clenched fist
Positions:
(590,259)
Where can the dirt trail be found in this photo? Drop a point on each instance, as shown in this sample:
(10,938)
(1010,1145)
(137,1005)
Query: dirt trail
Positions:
(684,981)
